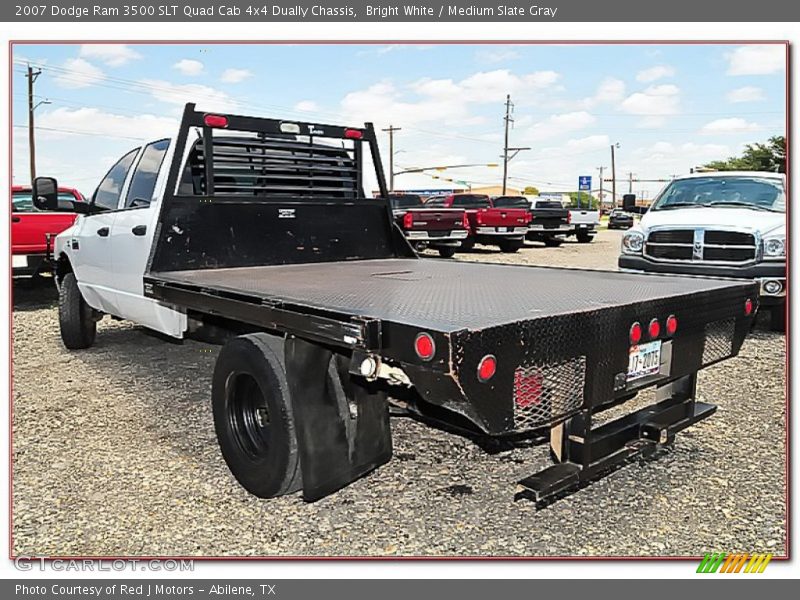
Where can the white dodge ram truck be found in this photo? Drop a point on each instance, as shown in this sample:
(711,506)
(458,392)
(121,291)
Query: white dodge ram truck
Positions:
(726,224)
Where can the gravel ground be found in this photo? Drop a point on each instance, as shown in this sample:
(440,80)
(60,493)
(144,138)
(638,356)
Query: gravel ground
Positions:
(114,454)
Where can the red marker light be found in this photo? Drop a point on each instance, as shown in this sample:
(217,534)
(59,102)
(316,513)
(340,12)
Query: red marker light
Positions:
(636,333)
(654,328)
(487,367)
(424,346)
(672,325)
(215,120)
(408,220)
(353,134)
(748,307)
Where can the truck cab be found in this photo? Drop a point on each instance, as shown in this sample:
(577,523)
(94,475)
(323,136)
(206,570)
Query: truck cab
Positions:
(724,224)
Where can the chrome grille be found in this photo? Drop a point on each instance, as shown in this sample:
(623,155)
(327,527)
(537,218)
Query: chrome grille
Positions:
(718,342)
(544,393)
(701,245)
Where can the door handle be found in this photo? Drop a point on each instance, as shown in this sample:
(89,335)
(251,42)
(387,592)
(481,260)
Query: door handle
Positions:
(15,219)
(103,232)
(139,230)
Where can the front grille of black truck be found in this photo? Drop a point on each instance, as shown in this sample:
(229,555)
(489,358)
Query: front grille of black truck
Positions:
(700,245)
(544,393)
(718,343)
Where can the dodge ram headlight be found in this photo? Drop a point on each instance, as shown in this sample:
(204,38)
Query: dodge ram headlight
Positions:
(632,243)
(775,247)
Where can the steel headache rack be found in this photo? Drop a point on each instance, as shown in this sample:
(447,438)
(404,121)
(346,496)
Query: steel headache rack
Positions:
(265,227)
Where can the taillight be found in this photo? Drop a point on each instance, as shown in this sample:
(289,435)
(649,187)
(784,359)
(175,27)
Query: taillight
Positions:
(748,307)
(654,329)
(569,217)
(424,346)
(487,367)
(408,220)
(479,218)
(465,221)
(672,325)
(353,134)
(636,333)
(215,120)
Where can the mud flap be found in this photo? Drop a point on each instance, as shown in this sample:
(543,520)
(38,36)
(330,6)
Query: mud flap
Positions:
(342,424)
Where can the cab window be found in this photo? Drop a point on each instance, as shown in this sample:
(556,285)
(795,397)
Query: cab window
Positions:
(143,182)
(108,192)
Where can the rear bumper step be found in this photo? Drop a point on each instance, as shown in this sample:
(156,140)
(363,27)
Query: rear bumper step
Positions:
(585,454)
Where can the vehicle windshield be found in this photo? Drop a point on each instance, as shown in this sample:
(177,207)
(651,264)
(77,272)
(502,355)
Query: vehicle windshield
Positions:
(512,202)
(735,191)
(22,202)
(471,201)
(549,204)
(405,201)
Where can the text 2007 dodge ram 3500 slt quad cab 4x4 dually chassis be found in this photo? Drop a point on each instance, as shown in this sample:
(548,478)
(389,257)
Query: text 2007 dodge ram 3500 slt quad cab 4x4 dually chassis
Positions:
(256,233)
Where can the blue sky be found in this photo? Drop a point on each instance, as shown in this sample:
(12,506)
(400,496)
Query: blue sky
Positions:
(669,107)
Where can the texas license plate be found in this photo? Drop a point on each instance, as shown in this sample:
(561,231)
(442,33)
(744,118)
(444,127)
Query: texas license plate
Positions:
(19,260)
(503,229)
(644,360)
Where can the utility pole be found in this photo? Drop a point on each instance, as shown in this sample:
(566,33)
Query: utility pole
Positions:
(31,75)
(508,120)
(630,183)
(613,178)
(391,129)
(600,192)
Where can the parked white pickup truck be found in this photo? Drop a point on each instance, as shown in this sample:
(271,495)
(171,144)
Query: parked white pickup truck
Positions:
(583,222)
(727,224)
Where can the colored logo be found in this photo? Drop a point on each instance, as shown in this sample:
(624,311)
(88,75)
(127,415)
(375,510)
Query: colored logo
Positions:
(720,562)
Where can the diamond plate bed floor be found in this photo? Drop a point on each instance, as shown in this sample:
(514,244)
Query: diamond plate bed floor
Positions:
(446,295)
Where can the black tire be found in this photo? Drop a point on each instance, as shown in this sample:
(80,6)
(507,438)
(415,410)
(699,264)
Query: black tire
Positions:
(447,252)
(552,242)
(777,318)
(510,246)
(468,244)
(253,415)
(76,319)
(584,238)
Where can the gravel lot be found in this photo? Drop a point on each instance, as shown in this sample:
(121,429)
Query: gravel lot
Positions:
(114,455)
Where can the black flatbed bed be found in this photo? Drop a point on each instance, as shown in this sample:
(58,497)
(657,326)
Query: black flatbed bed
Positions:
(440,295)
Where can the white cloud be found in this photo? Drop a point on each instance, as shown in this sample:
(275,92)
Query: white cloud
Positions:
(654,73)
(78,73)
(610,90)
(207,98)
(757,59)
(189,67)
(561,124)
(496,55)
(235,75)
(730,125)
(113,55)
(654,103)
(99,123)
(306,106)
(748,93)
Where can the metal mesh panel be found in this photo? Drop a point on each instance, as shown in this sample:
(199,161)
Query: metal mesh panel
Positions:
(543,393)
(719,340)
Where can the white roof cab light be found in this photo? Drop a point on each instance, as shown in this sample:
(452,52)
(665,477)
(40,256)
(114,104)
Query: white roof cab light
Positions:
(290,128)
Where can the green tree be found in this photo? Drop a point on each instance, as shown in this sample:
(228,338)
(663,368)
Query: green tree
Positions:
(531,191)
(756,157)
(586,200)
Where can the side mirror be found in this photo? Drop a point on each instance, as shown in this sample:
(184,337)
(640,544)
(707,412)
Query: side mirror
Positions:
(629,203)
(45,193)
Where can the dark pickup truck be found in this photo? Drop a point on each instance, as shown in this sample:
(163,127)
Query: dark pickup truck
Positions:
(442,229)
(502,227)
(549,219)
(258,235)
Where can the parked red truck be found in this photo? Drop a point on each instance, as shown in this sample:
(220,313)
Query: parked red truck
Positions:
(32,229)
(440,229)
(502,227)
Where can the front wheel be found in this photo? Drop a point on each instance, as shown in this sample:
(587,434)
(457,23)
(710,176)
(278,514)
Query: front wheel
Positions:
(552,242)
(777,318)
(584,237)
(76,319)
(510,246)
(253,415)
